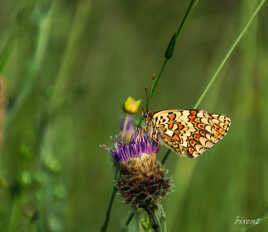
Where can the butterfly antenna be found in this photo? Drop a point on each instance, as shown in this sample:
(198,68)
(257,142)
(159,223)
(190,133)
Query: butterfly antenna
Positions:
(147,99)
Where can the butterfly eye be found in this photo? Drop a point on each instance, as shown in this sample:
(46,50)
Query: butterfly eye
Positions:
(144,113)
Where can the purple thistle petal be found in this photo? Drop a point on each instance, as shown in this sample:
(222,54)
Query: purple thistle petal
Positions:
(130,142)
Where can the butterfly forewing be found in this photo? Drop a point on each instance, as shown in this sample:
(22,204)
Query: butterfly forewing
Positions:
(189,132)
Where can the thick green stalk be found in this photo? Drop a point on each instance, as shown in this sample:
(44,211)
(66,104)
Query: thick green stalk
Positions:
(157,218)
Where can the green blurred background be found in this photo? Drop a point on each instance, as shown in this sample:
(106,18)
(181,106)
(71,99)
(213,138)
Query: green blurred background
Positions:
(68,66)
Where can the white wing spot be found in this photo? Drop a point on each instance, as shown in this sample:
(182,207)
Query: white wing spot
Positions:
(169,133)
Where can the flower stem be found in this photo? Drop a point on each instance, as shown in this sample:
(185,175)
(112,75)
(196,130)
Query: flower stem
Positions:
(169,51)
(153,219)
(13,223)
(108,212)
(130,217)
(155,84)
(163,161)
(162,217)
(157,218)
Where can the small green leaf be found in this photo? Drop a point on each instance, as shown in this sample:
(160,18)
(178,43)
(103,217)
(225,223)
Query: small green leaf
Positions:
(170,48)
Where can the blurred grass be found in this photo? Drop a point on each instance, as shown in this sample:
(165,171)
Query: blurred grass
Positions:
(74,62)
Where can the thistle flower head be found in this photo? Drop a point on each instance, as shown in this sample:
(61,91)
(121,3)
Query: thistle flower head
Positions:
(131,143)
(142,181)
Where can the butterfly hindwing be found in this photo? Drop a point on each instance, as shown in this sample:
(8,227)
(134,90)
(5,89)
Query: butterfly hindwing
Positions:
(189,132)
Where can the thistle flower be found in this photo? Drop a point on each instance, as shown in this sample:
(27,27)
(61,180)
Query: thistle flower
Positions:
(142,182)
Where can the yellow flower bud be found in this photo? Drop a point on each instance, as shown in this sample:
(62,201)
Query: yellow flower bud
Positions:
(131,106)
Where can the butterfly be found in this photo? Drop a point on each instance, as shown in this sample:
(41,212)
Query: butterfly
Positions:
(187,132)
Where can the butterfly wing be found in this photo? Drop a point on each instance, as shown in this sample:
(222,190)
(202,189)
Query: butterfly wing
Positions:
(189,132)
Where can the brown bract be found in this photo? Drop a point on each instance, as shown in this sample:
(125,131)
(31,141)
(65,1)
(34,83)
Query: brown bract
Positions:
(142,181)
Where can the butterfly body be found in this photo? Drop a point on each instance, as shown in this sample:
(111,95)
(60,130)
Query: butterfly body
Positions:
(187,132)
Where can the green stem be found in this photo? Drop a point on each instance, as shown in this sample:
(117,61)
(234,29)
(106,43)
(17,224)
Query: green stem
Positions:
(163,161)
(192,4)
(130,217)
(7,48)
(157,218)
(162,217)
(109,209)
(13,216)
(228,54)
(169,51)
(155,84)
(6,51)
(153,219)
